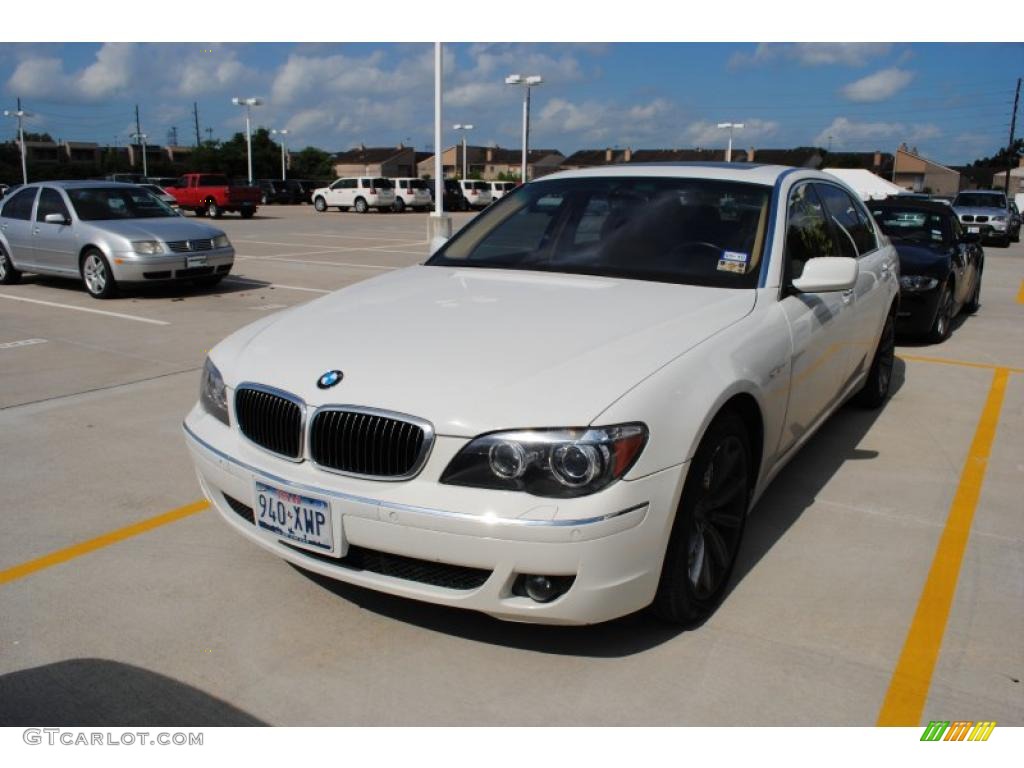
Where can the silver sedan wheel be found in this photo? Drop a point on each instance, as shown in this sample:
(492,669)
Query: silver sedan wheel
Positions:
(95,273)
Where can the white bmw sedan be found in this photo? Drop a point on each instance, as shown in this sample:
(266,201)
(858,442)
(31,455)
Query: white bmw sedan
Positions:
(566,414)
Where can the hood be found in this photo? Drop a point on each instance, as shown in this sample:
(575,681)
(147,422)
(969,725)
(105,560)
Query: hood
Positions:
(473,350)
(922,259)
(974,210)
(170,228)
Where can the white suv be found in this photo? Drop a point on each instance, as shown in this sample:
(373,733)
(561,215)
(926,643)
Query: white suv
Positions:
(360,193)
(412,193)
(477,193)
(501,188)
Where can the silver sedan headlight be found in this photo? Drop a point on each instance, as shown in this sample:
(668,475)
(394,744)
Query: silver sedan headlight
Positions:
(221,241)
(147,247)
(557,463)
(212,393)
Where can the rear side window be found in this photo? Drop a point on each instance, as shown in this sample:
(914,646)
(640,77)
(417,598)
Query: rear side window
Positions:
(854,231)
(50,201)
(213,181)
(808,234)
(20,206)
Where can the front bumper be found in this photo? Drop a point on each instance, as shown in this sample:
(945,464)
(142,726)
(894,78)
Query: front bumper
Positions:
(130,267)
(917,311)
(613,542)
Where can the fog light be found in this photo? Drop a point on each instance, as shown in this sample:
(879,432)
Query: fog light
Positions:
(542,589)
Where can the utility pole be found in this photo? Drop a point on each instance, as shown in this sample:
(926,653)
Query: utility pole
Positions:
(209,134)
(195,114)
(173,136)
(1009,149)
(138,134)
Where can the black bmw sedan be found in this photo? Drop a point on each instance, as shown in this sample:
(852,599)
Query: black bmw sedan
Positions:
(940,265)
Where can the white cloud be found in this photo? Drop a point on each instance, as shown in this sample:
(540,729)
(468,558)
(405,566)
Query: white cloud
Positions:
(842,131)
(707,134)
(812,54)
(110,73)
(878,87)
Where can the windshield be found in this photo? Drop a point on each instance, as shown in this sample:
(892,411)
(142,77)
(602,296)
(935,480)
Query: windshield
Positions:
(913,225)
(980,200)
(693,231)
(103,204)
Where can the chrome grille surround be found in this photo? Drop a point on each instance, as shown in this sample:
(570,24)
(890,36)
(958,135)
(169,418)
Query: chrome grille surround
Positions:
(190,246)
(281,395)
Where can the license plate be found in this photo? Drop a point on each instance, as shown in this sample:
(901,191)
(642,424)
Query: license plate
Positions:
(974,229)
(195,261)
(302,519)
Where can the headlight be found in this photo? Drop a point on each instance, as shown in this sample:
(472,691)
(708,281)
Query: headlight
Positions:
(212,393)
(147,247)
(221,241)
(998,218)
(915,283)
(558,463)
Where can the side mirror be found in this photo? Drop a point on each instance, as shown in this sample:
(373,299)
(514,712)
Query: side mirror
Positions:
(56,218)
(827,274)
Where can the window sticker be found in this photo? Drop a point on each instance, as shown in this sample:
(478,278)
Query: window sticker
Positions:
(735,256)
(724,265)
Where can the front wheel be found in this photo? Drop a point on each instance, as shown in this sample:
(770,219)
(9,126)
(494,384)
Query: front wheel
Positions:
(320,205)
(974,303)
(876,386)
(709,524)
(212,209)
(8,274)
(943,317)
(97,277)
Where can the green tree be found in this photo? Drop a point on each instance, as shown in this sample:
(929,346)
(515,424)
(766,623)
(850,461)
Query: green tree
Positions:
(1004,157)
(311,163)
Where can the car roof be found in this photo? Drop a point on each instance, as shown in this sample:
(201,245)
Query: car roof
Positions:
(917,203)
(84,184)
(745,172)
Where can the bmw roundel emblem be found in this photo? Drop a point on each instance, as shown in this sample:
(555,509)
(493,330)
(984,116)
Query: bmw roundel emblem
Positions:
(329,379)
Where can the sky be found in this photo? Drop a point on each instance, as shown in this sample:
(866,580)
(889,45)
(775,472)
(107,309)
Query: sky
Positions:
(952,101)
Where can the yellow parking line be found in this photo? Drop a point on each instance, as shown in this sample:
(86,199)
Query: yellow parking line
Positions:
(963,363)
(1020,293)
(85,547)
(911,679)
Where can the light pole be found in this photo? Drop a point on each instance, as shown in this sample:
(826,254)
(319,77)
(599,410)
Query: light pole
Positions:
(21,114)
(439,224)
(527,81)
(730,126)
(464,127)
(141,137)
(283,132)
(248,103)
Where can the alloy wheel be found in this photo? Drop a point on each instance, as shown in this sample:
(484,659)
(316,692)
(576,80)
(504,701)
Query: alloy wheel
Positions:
(95,273)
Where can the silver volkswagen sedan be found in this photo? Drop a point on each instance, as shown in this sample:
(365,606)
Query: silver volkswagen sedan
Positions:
(107,234)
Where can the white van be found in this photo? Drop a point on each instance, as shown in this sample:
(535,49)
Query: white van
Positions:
(359,193)
(477,193)
(412,193)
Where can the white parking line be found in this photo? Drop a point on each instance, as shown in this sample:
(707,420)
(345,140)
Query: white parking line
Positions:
(84,309)
(323,263)
(353,237)
(259,284)
(22,343)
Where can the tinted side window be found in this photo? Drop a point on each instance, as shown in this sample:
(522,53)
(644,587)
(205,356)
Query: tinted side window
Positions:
(349,183)
(808,234)
(854,234)
(50,201)
(20,206)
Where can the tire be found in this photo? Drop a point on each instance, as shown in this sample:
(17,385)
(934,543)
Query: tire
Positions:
(199,212)
(361,206)
(709,524)
(940,329)
(320,205)
(248,213)
(212,209)
(8,274)
(399,205)
(1015,237)
(974,303)
(879,380)
(263,200)
(209,281)
(96,275)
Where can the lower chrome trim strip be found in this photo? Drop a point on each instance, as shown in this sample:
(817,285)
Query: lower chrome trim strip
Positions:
(408,507)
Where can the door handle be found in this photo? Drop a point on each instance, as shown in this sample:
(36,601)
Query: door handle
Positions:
(35,230)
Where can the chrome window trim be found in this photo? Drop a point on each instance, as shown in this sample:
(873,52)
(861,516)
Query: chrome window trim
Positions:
(421,459)
(284,395)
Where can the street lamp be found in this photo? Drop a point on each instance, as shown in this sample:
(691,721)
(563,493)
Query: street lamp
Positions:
(527,81)
(141,138)
(283,132)
(730,126)
(464,127)
(248,103)
(21,114)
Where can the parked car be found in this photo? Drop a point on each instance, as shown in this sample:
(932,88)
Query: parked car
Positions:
(454,200)
(274,191)
(107,234)
(212,194)
(607,376)
(412,193)
(360,193)
(476,193)
(940,265)
(162,195)
(987,212)
(302,190)
(501,188)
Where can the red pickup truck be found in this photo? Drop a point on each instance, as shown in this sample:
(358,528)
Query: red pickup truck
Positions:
(209,194)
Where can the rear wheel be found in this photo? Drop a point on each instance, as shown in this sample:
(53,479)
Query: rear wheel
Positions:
(943,317)
(8,274)
(320,205)
(248,213)
(709,524)
(399,205)
(361,206)
(97,277)
(876,386)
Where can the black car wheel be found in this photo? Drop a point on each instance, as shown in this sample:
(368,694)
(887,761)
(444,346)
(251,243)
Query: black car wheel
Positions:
(8,274)
(879,379)
(709,524)
(943,316)
(320,204)
(974,303)
(399,205)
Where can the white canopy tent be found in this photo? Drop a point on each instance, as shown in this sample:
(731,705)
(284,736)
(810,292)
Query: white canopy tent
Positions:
(865,183)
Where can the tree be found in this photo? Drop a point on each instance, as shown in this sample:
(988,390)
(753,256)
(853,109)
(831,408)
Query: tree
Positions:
(311,163)
(1003,158)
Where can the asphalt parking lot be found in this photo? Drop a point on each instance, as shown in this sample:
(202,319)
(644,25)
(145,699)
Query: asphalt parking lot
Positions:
(124,601)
